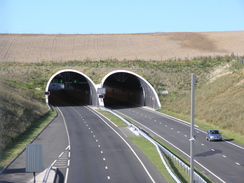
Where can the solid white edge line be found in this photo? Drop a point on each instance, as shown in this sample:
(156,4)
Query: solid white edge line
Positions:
(65,127)
(125,143)
(67,132)
(185,123)
(66,176)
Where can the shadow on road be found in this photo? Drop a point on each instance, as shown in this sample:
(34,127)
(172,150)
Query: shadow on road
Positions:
(208,153)
(228,140)
(14,171)
(59,177)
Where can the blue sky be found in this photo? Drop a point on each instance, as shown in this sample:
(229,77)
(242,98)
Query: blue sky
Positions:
(121,16)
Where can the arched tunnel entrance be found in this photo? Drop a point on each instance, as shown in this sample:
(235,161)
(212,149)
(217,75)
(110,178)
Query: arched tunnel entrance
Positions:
(122,89)
(71,87)
(127,89)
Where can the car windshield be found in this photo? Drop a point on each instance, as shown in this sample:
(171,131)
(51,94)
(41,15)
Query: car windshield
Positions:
(214,132)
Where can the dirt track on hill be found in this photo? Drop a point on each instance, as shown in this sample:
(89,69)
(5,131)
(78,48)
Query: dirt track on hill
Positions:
(148,46)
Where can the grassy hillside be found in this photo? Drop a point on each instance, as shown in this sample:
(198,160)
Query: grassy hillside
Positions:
(20,107)
(219,100)
(219,90)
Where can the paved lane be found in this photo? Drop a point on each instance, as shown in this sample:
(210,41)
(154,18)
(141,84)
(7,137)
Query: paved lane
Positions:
(54,140)
(221,161)
(101,153)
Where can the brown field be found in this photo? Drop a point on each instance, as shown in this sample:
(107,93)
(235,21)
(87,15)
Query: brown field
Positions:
(148,46)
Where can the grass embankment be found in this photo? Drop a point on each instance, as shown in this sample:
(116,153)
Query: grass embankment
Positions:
(23,113)
(16,146)
(218,101)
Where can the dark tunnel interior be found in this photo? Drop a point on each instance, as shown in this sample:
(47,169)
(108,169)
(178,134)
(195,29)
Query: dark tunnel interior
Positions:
(123,90)
(71,88)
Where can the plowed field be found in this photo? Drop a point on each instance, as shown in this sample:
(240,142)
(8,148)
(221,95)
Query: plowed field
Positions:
(148,46)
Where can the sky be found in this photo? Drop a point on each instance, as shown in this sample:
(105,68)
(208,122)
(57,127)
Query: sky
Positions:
(120,16)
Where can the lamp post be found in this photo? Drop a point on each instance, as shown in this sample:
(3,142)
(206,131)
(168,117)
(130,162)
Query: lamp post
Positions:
(192,139)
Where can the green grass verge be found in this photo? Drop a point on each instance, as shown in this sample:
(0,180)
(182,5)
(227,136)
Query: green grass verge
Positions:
(113,118)
(176,169)
(150,151)
(18,145)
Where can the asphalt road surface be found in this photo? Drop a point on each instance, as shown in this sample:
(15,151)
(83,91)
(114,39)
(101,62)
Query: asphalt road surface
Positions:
(86,148)
(100,152)
(221,161)
(54,140)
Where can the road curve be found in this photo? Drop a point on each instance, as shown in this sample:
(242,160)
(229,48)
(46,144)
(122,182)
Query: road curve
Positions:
(221,161)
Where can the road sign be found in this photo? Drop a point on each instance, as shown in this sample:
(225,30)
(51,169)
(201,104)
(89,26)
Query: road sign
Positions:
(34,158)
(101,91)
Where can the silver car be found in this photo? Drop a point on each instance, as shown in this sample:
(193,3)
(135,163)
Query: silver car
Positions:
(213,135)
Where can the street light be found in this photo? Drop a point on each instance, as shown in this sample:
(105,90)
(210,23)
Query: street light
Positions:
(192,135)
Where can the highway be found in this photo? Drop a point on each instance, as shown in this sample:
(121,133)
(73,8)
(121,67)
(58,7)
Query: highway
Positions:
(100,152)
(86,147)
(221,161)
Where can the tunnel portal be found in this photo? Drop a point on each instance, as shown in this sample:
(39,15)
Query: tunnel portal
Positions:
(123,89)
(71,87)
(128,89)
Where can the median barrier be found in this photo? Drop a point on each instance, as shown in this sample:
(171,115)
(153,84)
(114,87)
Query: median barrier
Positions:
(161,151)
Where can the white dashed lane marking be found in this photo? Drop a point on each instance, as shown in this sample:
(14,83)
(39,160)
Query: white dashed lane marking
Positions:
(224,156)
(99,146)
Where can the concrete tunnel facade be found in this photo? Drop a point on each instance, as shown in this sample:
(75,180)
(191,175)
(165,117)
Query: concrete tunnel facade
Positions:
(93,100)
(126,84)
